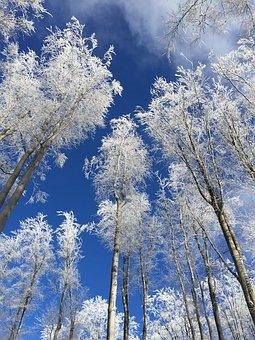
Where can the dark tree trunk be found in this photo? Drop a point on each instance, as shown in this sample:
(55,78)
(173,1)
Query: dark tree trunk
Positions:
(60,313)
(237,257)
(125,295)
(13,177)
(13,200)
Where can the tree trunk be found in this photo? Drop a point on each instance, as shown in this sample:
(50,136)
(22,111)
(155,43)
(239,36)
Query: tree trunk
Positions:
(13,200)
(72,316)
(205,311)
(182,286)
(215,308)
(111,320)
(211,286)
(16,327)
(145,297)
(60,313)
(71,331)
(13,177)
(237,256)
(125,295)
(216,202)
(192,278)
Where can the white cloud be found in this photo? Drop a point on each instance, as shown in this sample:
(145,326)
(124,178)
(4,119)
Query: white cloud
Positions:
(146,20)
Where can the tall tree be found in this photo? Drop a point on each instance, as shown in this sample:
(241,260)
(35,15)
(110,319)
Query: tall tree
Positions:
(23,267)
(69,92)
(69,253)
(121,167)
(181,120)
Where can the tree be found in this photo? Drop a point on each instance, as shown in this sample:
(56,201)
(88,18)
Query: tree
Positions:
(148,246)
(23,267)
(70,91)
(233,100)
(167,315)
(193,19)
(120,168)
(182,121)
(92,321)
(15,14)
(69,253)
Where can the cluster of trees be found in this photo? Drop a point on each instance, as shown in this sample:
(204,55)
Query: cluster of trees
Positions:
(189,247)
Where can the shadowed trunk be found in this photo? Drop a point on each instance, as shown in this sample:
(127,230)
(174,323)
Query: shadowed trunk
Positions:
(71,331)
(60,312)
(237,257)
(13,177)
(13,200)
(125,295)
(205,311)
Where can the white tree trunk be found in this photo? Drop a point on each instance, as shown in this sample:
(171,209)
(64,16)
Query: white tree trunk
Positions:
(111,322)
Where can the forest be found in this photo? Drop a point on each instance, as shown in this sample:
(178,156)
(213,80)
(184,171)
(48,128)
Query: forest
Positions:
(165,233)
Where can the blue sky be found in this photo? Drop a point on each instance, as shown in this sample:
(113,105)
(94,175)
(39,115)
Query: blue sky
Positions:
(137,63)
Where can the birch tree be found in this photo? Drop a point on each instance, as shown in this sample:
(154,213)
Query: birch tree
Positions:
(69,92)
(167,315)
(69,254)
(233,100)
(181,121)
(22,268)
(120,168)
(149,241)
(92,321)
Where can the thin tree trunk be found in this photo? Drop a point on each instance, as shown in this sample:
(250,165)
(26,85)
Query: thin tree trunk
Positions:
(183,291)
(111,320)
(60,312)
(192,278)
(211,286)
(13,177)
(215,308)
(71,331)
(125,295)
(13,200)
(72,316)
(145,297)
(203,297)
(243,333)
(229,325)
(16,327)
(205,311)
